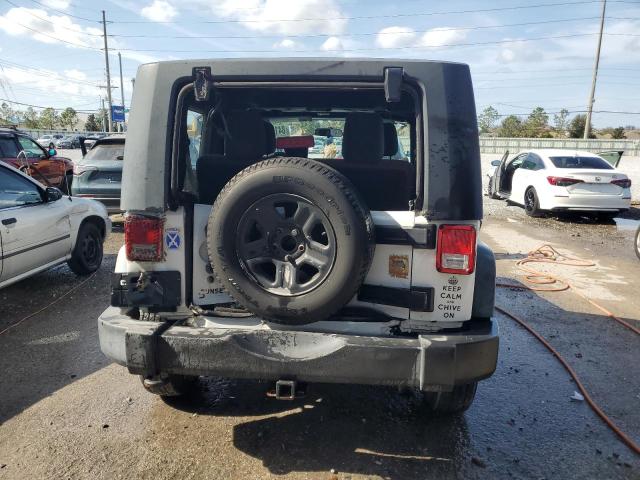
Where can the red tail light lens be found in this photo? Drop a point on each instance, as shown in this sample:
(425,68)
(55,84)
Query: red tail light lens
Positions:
(456,251)
(562,181)
(623,182)
(143,238)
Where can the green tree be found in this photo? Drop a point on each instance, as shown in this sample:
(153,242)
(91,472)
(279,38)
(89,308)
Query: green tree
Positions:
(6,113)
(511,126)
(577,126)
(91,125)
(536,123)
(49,119)
(69,118)
(30,118)
(618,133)
(487,119)
(561,120)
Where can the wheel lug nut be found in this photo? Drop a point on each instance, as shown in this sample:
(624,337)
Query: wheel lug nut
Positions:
(294,232)
(301,248)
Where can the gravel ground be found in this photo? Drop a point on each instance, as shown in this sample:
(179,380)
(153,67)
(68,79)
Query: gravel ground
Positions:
(66,412)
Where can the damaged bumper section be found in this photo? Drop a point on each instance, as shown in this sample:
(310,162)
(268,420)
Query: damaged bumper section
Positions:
(434,362)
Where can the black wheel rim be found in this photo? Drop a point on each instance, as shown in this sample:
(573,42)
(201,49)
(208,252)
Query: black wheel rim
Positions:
(90,250)
(286,244)
(529,200)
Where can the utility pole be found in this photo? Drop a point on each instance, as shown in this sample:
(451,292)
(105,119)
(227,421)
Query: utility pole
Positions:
(104,116)
(106,60)
(587,127)
(121,87)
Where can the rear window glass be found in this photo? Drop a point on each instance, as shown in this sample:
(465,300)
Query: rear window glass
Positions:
(106,151)
(8,148)
(580,162)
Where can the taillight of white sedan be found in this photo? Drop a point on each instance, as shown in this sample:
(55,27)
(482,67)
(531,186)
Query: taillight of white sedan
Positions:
(560,180)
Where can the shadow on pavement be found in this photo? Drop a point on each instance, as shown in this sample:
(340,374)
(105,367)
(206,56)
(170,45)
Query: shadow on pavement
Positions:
(349,428)
(55,347)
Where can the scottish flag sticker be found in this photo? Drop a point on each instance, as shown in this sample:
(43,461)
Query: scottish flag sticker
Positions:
(172,238)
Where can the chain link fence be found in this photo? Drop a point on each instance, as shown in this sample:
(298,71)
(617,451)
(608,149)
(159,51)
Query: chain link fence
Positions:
(499,145)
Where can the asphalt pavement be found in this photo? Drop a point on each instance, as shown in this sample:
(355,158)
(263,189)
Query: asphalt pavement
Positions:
(67,412)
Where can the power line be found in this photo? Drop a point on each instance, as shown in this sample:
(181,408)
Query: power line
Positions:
(368,17)
(40,106)
(479,27)
(64,13)
(412,47)
(79,45)
(45,73)
(49,21)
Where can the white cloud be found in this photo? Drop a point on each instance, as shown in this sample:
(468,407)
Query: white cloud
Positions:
(37,24)
(332,44)
(519,51)
(280,16)
(159,11)
(61,30)
(437,37)
(394,37)
(286,43)
(59,4)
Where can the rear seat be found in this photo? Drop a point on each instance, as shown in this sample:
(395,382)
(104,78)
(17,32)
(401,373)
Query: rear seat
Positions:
(383,184)
(245,143)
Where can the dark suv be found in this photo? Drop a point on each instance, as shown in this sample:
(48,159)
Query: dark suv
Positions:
(24,153)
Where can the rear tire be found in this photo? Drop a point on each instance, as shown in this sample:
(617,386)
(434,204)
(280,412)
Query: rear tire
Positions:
(638,242)
(454,402)
(87,253)
(531,203)
(290,240)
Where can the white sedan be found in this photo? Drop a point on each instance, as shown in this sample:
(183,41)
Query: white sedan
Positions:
(560,180)
(41,228)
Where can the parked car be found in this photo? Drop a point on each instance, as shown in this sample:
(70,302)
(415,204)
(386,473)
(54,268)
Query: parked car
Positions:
(22,152)
(49,141)
(561,180)
(40,229)
(99,173)
(70,141)
(244,263)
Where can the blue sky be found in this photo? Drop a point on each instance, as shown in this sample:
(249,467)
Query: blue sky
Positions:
(50,50)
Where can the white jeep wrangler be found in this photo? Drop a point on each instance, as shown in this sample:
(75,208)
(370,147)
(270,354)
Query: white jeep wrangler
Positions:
(244,258)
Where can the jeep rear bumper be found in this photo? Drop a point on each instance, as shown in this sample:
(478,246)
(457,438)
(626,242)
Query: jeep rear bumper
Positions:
(428,362)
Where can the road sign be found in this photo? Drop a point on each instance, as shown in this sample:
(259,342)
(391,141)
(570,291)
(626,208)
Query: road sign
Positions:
(117,113)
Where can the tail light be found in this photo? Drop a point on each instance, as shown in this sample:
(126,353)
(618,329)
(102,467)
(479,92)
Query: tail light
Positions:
(563,181)
(623,182)
(143,238)
(456,251)
(79,169)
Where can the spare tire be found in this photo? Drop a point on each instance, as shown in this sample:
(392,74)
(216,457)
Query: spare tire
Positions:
(290,240)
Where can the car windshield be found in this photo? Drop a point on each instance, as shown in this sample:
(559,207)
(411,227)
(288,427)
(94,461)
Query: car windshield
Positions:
(106,151)
(580,162)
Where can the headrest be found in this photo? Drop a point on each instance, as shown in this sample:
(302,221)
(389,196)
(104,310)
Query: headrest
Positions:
(270,138)
(390,140)
(363,138)
(245,138)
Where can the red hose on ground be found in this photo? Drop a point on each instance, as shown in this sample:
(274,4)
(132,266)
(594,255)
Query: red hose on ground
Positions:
(547,254)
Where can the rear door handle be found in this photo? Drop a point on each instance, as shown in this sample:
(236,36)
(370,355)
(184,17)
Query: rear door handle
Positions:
(9,221)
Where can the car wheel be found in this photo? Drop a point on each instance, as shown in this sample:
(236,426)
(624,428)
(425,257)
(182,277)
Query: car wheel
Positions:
(531,204)
(456,401)
(638,242)
(293,251)
(170,385)
(87,253)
